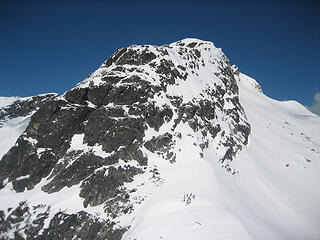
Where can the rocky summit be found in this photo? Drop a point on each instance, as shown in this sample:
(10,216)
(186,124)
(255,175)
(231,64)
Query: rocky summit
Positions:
(155,144)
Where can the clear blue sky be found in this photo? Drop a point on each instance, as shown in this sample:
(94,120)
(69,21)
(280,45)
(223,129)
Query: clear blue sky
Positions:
(49,46)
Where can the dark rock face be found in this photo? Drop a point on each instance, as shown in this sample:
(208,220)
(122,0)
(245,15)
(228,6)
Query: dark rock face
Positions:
(102,186)
(161,143)
(96,136)
(50,129)
(72,175)
(77,95)
(133,57)
(24,225)
(81,226)
(105,94)
(130,56)
(55,123)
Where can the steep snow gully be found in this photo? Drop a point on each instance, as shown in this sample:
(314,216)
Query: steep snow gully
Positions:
(160,142)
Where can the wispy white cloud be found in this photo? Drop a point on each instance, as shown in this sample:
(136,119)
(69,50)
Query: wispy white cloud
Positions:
(315,107)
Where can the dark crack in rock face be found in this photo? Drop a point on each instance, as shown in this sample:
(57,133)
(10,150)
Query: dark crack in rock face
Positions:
(97,138)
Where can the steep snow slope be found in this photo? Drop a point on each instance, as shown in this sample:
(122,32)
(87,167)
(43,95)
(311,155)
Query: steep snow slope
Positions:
(15,113)
(274,196)
(167,142)
(190,204)
(278,184)
(10,129)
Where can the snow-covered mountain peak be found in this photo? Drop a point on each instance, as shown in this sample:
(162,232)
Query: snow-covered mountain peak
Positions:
(185,57)
(189,79)
(164,142)
(196,43)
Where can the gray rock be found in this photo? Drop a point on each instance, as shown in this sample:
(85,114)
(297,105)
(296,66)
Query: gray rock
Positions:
(104,184)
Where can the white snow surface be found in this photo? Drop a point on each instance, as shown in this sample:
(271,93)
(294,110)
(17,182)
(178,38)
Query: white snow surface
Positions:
(276,194)
(10,132)
(11,129)
(5,101)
